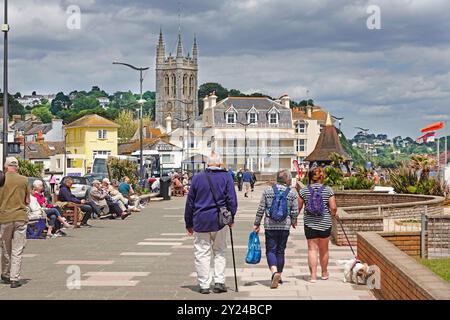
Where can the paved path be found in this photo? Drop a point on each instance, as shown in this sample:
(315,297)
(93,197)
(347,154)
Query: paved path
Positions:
(148,256)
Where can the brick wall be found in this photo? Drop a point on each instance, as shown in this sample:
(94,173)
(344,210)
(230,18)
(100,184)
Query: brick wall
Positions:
(401,277)
(353,199)
(352,226)
(408,242)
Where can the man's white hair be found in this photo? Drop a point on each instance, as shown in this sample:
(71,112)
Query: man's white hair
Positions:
(37,184)
(214,159)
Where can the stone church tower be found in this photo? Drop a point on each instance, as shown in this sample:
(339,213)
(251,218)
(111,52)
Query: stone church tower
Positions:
(176,85)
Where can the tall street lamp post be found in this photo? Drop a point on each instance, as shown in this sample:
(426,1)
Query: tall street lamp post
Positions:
(245,143)
(141,125)
(5,30)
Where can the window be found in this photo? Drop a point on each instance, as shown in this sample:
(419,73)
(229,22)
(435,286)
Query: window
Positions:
(231,118)
(101,153)
(101,134)
(70,163)
(58,163)
(273,118)
(168,158)
(252,118)
(300,128)
(301,145)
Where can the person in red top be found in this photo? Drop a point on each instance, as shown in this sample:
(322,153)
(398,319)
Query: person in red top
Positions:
(55,220)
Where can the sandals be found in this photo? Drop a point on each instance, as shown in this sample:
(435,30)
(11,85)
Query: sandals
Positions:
(325,277)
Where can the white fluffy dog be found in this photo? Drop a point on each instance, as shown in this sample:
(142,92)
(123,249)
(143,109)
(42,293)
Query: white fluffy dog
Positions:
(355,271)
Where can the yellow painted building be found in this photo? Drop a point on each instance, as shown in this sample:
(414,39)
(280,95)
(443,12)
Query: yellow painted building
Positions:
(92,135)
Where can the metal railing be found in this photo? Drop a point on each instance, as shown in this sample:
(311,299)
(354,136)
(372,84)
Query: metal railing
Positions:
(434,229)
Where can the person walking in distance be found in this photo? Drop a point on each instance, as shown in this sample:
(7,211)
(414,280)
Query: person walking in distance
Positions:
(320,207)
(239,176)
(52,182)
(279,207)
(247,180)
(202,221)
(14,199)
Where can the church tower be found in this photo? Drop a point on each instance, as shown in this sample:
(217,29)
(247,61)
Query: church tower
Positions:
(176,85)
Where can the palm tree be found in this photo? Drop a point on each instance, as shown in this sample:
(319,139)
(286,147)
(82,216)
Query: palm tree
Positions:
(422,163)
(336,159)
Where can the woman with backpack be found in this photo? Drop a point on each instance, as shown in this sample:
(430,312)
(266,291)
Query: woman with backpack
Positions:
(279,206)
(320,207)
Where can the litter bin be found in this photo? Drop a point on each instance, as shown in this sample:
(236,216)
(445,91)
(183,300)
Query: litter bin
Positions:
(165,188)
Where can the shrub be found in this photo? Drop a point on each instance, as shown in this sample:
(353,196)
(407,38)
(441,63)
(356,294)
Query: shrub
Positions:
(28,169)
(357,183)
(333,176)
(118,169)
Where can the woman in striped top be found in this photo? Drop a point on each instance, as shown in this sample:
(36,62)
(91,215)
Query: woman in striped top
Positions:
(318,226)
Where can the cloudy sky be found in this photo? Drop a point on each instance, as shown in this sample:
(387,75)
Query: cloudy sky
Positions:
(393,80)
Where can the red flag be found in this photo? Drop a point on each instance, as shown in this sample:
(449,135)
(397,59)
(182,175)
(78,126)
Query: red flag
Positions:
(428,137)
(433,127)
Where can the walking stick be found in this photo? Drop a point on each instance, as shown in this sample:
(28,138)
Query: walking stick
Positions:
(345,234)
(234,261)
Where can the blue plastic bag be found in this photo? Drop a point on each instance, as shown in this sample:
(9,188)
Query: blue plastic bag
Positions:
(254,249)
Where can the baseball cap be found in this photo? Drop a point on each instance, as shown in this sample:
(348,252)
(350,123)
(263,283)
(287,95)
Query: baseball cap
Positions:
(11,162)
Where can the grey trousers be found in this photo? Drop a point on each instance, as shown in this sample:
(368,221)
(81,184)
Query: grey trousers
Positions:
(13,237)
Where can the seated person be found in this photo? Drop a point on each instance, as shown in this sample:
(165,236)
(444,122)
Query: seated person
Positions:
(114,206)
(65,195)
(116,195)
(55,220)
(97,194)
(177,185)
(126,189)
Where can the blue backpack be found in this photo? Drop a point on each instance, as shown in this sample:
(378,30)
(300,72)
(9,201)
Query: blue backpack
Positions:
(279,209)
(315,205)
(254,249)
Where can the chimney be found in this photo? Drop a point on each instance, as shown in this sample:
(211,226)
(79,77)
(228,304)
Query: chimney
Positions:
(205,103)
(212,99)
(286,101)
(40,137)
(309,111)
(169,124)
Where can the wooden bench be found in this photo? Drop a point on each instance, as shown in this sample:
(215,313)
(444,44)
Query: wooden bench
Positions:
(71,211)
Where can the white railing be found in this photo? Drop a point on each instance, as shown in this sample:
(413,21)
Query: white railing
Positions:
(257,150)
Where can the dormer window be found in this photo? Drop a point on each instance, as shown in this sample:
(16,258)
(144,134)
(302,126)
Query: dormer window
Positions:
(252,116)
(273,116)
(231,115)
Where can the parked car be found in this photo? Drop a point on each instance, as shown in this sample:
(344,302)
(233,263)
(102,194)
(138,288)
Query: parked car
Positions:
(47,192)
(92,177)
(80,188)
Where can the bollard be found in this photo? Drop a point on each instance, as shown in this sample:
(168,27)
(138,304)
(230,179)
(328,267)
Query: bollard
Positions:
(422,232)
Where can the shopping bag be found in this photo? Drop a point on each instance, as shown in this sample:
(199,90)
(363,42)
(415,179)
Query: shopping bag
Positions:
(254,249)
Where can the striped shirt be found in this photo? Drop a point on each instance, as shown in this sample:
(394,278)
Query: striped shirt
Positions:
(321,223)
(265,204)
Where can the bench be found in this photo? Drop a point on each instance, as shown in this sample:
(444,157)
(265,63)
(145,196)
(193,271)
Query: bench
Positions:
(70,211)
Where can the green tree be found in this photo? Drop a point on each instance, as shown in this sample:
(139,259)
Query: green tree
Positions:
(85,102)
(15,108)
(60,102)
(127,125)
(43,113)
(206,88)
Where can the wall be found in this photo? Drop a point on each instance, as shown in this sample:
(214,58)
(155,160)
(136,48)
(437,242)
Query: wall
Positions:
(401,277)
(94,144)
(408,242)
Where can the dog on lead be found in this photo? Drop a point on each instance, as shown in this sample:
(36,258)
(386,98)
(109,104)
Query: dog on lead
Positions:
(355,271)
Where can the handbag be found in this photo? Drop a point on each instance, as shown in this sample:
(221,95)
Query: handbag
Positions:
(253,249)
(225,217)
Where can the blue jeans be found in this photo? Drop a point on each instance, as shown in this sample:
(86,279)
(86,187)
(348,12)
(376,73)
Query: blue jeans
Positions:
(276,241)
(52,215)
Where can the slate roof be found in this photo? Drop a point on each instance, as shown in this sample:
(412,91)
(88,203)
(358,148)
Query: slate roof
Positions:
(43,150)
(243,104)
(45,128)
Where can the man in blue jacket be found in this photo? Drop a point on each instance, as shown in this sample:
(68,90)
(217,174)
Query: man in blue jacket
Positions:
(201,217)
(65,195)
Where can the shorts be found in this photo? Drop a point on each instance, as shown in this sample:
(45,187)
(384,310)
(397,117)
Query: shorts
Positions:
(315,234)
